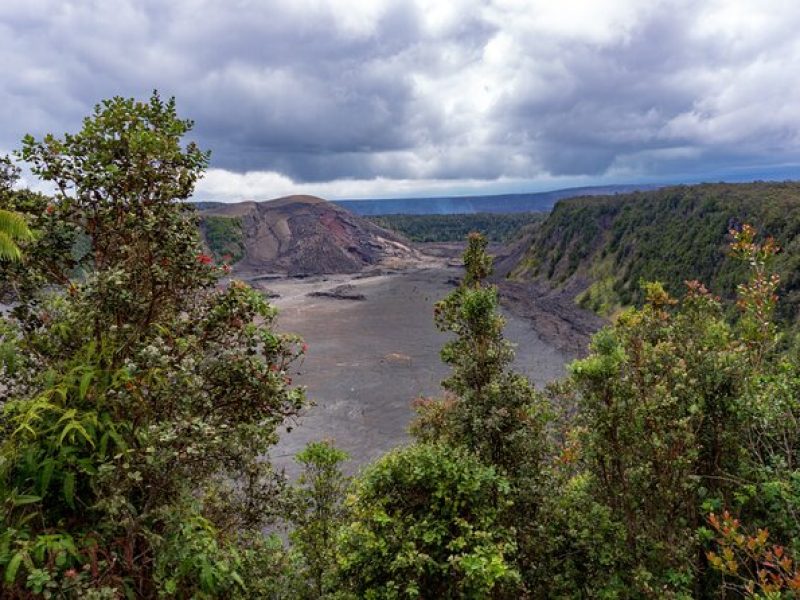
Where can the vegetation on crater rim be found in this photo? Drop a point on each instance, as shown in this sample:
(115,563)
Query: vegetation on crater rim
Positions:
(497,227)
(224,237)
(610,244)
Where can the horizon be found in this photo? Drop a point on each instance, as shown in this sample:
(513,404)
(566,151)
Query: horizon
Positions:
(643,187)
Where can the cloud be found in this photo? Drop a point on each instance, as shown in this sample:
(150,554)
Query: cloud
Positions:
(351,97)
(226,186)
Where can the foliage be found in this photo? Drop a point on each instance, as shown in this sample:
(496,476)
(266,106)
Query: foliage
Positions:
(427,523)
(657,406)
(757,298)
(493,411)
(582,545)
(750,563)
(13,229)
(490,410)
(318,513)
(139,398)
(669,235)
(224,237)
(663,413)
(13,226)
(497,227)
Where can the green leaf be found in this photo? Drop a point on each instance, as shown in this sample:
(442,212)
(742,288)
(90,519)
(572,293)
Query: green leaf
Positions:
(69,489)
(46,476)
(118,440)
(75,426)
(206,578)
(86,381)
(25,499)
(8,249)
(13,228)
(103,445)
(238,579)
(12,568)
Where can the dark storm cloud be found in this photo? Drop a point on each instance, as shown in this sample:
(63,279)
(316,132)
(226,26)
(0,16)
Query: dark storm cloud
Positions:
(320,91)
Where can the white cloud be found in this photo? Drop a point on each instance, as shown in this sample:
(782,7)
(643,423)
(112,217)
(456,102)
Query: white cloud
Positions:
(220,185)
(396,96)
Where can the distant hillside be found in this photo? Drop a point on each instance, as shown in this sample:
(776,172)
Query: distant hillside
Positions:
(604,246)
(506,203)
(297,235)
(497,227)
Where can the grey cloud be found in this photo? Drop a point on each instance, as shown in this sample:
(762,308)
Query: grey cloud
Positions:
(302,92)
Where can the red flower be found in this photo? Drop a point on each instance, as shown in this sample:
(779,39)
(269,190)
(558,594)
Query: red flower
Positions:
(50,208)
(71,573)
(304,348)
(204,259)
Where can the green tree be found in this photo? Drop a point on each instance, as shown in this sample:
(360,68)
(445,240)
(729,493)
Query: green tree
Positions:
(427,522)
(143,397)
(670,412)
(318,513)
(755,550)
(119,182)
(490,409)
(455,227)
(657,406)
(670,235)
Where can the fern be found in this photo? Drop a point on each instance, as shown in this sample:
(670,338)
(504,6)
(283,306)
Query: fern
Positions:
(13,229)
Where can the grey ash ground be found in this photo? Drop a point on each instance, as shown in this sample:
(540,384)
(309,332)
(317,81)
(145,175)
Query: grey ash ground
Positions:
(373,346)
(368,360)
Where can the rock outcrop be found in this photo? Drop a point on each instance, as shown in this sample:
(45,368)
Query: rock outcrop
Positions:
(306,235)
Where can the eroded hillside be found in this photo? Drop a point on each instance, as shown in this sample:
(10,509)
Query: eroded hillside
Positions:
(299,235)
(601,248)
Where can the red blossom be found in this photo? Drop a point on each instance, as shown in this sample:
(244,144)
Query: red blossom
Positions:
(204,259)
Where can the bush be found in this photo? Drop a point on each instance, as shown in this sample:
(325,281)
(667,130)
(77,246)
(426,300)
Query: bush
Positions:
(427,523)
(139,398)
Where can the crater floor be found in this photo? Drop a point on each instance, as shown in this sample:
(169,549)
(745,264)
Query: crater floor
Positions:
(369,359)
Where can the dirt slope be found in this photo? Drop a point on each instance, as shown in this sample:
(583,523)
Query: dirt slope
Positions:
(308,235)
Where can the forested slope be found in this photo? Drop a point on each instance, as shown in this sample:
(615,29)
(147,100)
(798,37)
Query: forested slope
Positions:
(497,227)
(609,244)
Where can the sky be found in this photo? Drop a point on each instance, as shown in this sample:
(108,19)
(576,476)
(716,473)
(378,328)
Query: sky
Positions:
(385,98)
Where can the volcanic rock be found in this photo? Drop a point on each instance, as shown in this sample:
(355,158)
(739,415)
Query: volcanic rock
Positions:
(306,235)
(341,292)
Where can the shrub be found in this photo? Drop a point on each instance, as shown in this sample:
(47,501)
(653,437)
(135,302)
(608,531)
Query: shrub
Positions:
(427,523)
